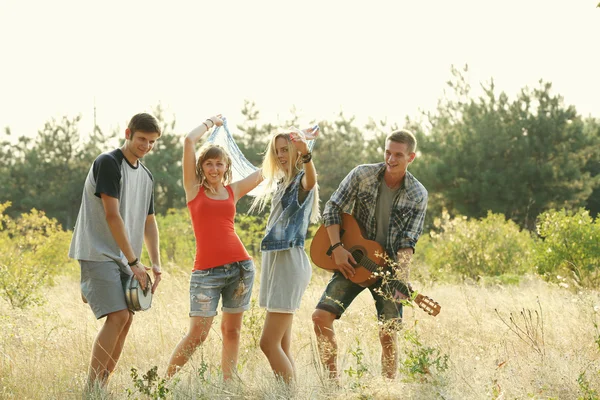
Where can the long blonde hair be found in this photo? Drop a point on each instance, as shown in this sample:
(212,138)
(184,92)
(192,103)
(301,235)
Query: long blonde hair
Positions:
(210,151)
(277,178)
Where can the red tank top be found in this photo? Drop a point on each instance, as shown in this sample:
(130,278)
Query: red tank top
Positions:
(216,241)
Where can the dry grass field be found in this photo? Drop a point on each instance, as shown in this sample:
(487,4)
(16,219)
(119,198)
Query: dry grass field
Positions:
(550,349)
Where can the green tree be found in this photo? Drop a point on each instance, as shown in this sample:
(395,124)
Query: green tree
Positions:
(47,172)
(517,157)
(164,162)
(252,137)
(341,147)
(377,131)
(592,129)
(8,159)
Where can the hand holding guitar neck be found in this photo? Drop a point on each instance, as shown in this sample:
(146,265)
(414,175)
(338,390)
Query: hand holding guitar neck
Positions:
(404,292)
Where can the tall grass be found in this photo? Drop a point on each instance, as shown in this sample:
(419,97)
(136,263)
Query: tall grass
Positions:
(44,350)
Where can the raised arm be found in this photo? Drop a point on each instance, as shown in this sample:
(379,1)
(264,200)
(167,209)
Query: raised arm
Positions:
(243,186)
(309,180)
(190,181)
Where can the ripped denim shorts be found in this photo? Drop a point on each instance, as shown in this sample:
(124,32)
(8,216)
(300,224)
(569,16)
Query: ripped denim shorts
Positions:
(231,281)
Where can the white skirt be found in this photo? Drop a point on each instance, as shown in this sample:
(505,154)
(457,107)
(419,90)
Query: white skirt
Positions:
(283,280)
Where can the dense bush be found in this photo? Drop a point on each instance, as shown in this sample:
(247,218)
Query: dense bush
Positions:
(177,244)
(470,248)
(570,247)
(251,229)
(34,251)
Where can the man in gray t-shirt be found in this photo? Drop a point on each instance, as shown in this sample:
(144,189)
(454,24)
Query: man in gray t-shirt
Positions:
(115,219)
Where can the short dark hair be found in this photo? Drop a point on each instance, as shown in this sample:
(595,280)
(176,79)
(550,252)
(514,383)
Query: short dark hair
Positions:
(144,122)
(404,136)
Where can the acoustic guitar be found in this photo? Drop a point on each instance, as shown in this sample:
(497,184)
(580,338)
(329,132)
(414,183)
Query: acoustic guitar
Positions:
(366,254)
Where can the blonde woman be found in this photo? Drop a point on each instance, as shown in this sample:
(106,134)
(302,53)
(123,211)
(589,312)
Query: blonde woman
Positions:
(291,185)
(223,269)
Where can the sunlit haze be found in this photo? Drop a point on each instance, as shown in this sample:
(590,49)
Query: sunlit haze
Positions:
(380,59)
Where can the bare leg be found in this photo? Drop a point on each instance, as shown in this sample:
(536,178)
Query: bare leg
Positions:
(323,325)
(276,345)
(116,354)
(389,351)
(199,328)
(286,343)
(104,346)
(231,325)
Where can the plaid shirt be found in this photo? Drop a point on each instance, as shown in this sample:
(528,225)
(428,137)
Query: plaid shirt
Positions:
(357,194)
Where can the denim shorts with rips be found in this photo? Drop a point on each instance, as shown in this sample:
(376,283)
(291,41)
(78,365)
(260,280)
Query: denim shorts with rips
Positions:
(233,282)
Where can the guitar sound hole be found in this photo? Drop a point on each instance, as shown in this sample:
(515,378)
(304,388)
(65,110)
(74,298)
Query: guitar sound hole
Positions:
(358,255)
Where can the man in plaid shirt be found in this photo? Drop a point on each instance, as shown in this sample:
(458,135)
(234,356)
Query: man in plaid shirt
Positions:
(389,204)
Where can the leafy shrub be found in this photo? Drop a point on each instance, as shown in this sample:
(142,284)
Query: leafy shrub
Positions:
(150,385)
(422,363)
(492,246)
(570,247)
(177,243)
(361,370)
(251,229)
(34,251)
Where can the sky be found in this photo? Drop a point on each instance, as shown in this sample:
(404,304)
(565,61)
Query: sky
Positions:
(375,59)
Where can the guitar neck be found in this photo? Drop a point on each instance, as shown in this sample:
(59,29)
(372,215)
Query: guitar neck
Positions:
(401,292)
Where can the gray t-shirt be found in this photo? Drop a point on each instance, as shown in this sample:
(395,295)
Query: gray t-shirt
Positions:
(383,211)
(112,175)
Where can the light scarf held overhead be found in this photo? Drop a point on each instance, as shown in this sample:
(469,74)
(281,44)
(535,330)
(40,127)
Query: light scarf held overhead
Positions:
(240,166)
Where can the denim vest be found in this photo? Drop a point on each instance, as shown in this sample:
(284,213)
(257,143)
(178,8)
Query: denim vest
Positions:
(289,230)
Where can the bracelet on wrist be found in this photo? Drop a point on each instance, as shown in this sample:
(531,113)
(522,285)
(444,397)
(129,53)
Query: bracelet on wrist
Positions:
(335,246)
(306,157)
(134,262)
(207,128)
(213,122)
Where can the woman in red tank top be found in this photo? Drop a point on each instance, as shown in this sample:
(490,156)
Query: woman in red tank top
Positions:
(222,268)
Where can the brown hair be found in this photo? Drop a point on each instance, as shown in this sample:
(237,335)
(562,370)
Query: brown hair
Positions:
(213,151)
(144,122)
(404,136)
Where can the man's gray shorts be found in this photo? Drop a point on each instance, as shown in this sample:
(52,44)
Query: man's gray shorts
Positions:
(102,285)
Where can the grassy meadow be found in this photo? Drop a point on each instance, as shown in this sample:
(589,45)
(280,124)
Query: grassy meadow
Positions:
(531,340)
